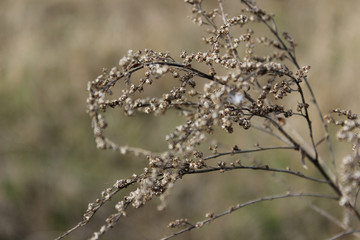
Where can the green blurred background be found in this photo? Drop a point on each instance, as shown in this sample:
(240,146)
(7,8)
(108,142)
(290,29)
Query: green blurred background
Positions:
(49,165)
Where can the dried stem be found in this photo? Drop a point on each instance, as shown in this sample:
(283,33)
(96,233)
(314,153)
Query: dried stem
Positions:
(344,234)
(262,168)
(239,206)
(246,151)
(252,89)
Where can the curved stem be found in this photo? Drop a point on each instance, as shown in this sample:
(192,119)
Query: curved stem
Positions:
(263,168)
(239,206)
(174,64)
(246,151)
(344,234)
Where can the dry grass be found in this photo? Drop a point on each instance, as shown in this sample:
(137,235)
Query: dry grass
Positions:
(49,166)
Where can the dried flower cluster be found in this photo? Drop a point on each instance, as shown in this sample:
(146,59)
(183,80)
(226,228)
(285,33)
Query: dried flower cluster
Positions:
(349,170)
(242,86)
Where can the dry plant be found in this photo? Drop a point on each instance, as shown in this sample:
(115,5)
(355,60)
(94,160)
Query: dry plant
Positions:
(252,82)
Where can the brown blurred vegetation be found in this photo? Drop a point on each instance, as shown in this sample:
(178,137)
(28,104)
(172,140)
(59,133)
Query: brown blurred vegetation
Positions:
(49,166)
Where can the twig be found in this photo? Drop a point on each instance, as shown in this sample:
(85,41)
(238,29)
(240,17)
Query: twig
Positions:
(325,214)
(343,234)
(246,151)
(209,21)
(307,117)
(271,133)
(174,64)
(239,206)
(98,203)
(263,168)
(229,38)
(69,231)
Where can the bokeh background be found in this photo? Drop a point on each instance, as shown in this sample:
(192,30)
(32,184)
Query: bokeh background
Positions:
(49,165)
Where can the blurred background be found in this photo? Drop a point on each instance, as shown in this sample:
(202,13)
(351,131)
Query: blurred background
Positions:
(50,168)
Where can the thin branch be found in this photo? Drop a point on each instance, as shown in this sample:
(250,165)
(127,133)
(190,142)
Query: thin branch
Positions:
(239,206)
(174,64)
(356,196)
(320,141)
(97,205)
(307,117)
(330,217)
(110,223)
(247,151)
(325,214)
(179,232)
(271,133)
(343,234)
(229,38)
(209,21)
(263,168)
(69,231)
(184,67)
